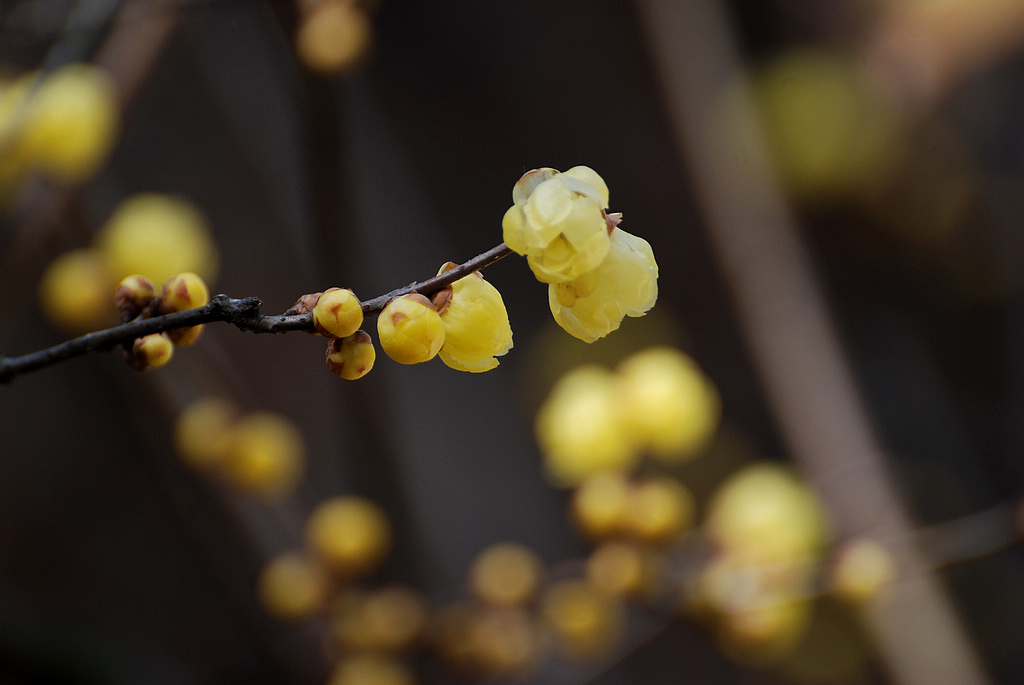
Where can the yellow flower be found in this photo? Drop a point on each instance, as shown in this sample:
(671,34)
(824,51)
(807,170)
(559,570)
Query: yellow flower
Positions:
(475,322)
(625,284)
(558,222)
(410,329)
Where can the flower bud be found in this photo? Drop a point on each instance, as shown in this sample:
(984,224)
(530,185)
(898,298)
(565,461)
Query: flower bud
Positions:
(475,324)
(150,351)
(352,357)
(292,587)
(558,222)
(182,292)
(410,330)
(337,313)
(203,433)
(625,284)
(133,294)
(861,570)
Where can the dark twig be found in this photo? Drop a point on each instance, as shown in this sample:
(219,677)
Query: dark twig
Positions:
(243,313)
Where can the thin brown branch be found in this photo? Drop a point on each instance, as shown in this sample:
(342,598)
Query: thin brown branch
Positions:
(243,313)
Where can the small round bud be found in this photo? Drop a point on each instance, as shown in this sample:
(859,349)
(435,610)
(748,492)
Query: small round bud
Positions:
(659,510)
(351,358)
(203,433)
(266,456)
(505,574)
(132,295)
(410,330)
(333,36)
(579,430)
(158,236)
(862,568)
(371,669)
(150,351)
(75,291)
(585,622)
(600,504)
(182,292)
(291,587)
(350,535)
(337,313)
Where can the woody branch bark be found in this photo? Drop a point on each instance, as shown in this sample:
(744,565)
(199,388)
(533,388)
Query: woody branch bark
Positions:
(243,313)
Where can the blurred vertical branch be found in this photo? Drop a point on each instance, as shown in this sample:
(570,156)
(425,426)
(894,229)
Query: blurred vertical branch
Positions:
(793,341)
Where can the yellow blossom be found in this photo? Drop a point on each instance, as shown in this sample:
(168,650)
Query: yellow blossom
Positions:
(475,322)
(558,222)
(625,284)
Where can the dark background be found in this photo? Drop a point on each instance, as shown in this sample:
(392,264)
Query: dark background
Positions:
(118,565)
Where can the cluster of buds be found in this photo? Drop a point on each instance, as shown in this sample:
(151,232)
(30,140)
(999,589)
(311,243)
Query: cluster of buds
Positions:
(337,315)
(137,298)
(597,274)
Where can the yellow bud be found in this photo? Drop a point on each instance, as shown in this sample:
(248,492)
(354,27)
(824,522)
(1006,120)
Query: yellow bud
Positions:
(862,568)
(182,292)
(150,352)
(764,514)
(267,455)
(351,358)
(203,433)
(333,36)
(338,313)
(291,587)
(132,295)
(351,535)
(625,284)
(505,574)
(579,430)
(475,324)
(70,121)
(158,236)
(75,291)
(558,222)
(618,569)
(410,330)
(667,404)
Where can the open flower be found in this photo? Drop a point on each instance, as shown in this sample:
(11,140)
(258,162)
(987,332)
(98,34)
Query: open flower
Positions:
(475,321)
(625,284)
(558,222)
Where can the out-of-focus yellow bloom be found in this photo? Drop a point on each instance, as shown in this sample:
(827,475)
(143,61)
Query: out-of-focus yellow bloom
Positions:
(350,535)
(158,236)
(68,124)
(75,291)
(292,587)
(558,222)
(579,430)
(765,514)
(410,329)
(667,403)
(475,323)
(862,568)
(266,455)
(625,284)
